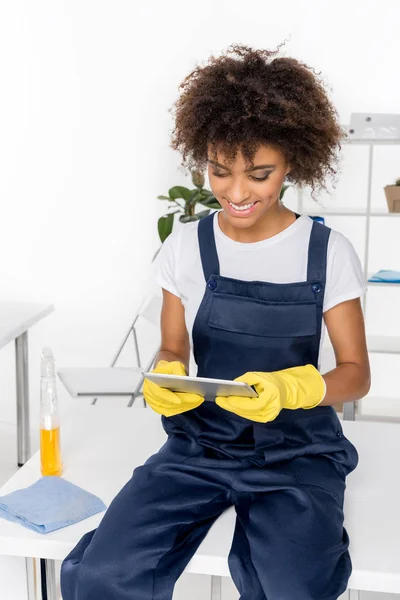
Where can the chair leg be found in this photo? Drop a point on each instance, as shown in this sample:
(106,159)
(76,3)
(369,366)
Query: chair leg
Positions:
(48,573)
(138,389)
(32,578)
(349,411)
(216,592)
(135,393)
(135,341)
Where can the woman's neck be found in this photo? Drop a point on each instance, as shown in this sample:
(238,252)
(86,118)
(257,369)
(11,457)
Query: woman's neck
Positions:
(272,222)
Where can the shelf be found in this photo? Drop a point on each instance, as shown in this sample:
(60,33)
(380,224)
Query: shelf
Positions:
(349,212)
(330,212)
(383,213)
(374,408)
(375,141)
(377,418)
(382,283)
(382,344)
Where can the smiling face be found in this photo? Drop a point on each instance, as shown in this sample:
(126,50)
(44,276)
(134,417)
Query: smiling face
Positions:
(248,192)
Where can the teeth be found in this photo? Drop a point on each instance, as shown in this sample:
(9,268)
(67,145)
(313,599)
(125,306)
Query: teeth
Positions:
(245,207)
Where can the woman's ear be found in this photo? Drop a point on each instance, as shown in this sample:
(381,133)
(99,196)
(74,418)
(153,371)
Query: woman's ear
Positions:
(288,170)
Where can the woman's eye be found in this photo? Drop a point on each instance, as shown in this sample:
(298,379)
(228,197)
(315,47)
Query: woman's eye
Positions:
(260,178)
(253,178)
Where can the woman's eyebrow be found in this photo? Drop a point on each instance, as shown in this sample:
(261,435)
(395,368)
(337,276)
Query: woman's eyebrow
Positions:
(250,169)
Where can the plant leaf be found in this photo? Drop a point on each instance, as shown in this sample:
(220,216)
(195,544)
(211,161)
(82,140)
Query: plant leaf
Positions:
(164,198)
(206,194)
(283,190)
(202,214)
(194,197)
(178,191)
(187,218)
(196,217)
(210,202)
(165,225)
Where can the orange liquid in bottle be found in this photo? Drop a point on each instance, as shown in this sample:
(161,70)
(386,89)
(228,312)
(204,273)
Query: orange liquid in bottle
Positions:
(50,452)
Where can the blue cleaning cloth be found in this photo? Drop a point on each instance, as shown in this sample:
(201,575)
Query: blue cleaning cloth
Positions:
(48,504)
(386,276)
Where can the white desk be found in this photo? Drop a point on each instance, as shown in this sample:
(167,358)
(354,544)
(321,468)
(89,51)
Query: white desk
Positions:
(15,320)
(101,447)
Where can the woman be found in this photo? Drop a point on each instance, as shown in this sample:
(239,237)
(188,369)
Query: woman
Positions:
(249,289)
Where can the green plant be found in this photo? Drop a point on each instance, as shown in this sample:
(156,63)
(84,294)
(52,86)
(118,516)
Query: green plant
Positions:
(397,182)
(198,195)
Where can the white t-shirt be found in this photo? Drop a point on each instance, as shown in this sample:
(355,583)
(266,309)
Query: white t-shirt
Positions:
(281,258)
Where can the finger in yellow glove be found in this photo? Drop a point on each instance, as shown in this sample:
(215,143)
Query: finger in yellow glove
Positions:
(297,387)
(166,402)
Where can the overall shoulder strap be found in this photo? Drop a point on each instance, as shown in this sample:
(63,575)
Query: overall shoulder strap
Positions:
(317,252)
(208,249)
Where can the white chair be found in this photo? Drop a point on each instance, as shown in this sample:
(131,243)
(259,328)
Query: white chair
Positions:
(117,381)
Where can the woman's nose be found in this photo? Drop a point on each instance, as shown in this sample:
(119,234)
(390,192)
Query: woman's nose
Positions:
(237,192)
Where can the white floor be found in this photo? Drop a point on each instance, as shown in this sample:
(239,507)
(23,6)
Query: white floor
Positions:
(12,569)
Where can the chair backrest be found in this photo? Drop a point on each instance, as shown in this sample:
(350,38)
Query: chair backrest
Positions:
(150,312)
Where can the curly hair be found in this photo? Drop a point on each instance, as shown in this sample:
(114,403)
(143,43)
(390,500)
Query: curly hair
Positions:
(252,99)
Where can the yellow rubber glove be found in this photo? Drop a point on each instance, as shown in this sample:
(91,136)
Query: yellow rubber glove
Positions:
(166,402)
(297,387)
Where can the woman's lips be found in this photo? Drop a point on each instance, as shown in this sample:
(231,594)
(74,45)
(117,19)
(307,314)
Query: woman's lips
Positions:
(242,213)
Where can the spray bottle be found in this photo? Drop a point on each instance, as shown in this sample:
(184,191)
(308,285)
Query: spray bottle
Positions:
(50,449)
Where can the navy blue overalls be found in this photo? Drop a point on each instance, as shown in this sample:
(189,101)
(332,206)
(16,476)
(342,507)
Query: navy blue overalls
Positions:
(285,478)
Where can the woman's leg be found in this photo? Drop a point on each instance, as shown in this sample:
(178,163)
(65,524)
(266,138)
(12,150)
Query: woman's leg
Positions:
(241,566)
(149,532)
(293,523)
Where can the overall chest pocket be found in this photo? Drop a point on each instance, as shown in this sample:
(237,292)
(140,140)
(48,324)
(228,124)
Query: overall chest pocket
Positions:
(263,318)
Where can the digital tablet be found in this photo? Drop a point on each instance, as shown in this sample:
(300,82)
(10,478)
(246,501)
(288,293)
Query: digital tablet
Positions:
(205,386)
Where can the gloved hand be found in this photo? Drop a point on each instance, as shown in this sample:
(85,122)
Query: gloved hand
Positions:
(297,387)
(166,402)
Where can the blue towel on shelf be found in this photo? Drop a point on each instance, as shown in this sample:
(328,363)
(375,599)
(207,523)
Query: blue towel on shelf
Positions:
(48,504)
(386,276)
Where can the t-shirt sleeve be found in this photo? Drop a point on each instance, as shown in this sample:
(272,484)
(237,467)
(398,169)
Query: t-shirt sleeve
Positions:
(164,265)
(345,279)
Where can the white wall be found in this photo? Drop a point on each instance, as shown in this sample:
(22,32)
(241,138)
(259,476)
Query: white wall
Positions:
(83,115)
(84,144)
